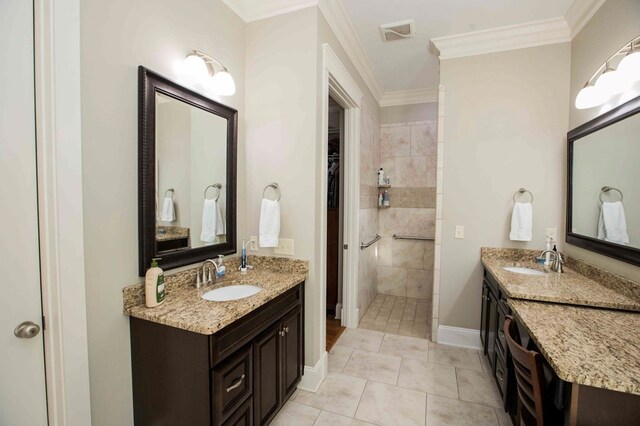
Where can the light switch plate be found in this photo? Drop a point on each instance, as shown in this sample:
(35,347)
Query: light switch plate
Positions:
(285,246)
(459,234)
(552,233)
(253,243)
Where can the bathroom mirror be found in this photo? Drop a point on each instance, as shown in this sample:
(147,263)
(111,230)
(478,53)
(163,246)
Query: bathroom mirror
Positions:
(603,195)
(187,174)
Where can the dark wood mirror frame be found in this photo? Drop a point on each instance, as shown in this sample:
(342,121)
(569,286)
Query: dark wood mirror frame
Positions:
(148,84)
(617,251)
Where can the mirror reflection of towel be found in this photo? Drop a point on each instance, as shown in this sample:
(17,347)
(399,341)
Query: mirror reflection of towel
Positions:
(168,211)
(612,223)
(219,220)
(209,221)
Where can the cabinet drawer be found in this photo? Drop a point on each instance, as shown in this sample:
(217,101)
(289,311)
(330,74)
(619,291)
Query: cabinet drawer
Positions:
(501,373)
(232,382)
(243,415)
(501,340)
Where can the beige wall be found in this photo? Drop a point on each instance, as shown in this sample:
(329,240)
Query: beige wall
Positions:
(117,36)
(613,25)
(505,128)
(281,115)
(408,113)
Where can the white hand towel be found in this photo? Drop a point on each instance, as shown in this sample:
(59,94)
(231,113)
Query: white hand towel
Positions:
(612,223)
(269,223)
(219,220)
(168,211)
(209,220)
(521,222)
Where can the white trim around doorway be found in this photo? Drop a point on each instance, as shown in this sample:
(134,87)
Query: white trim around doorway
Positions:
(60,209)
(337,82)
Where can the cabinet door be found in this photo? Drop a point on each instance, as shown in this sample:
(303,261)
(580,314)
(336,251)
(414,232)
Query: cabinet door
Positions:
(292,362)
(267,374)
(484,320)
(492,328)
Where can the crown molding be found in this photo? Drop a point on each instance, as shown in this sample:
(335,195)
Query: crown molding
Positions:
(254,10)
(409,97)
(580,12)
(338,20)
(529,34)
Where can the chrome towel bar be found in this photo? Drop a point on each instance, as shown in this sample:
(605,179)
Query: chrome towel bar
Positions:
(370,243)
(607,189)
(406,237)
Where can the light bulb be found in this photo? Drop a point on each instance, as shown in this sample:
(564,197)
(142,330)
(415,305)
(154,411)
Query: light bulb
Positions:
(590,96)
(222,84)
(195,67)
(611,82)
(629,67)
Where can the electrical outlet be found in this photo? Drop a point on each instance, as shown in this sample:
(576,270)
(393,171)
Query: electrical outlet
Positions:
(285,246)
(459,234)
(552,233)
(253,243)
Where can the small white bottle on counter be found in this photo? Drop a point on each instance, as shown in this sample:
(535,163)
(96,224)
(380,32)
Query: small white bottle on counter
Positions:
(154,285)
(380,177)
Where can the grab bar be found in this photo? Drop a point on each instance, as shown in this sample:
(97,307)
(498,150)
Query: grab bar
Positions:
(370,243)
(405,237)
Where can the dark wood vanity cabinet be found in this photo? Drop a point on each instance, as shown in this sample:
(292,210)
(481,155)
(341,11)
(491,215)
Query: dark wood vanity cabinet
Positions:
(493,313)
(241,375)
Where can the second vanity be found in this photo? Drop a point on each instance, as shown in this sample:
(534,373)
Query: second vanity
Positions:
(199,362)
(586,326)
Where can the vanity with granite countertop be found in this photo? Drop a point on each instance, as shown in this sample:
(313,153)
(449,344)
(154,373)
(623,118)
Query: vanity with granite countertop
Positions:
(200,362)
(586,324)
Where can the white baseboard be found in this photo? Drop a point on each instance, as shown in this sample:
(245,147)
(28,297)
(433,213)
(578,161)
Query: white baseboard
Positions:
(456,336)
(313,376)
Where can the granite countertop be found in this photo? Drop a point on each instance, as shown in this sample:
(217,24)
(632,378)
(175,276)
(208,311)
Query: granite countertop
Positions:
(609,291)
(166,233)
(184,308)
(587,346)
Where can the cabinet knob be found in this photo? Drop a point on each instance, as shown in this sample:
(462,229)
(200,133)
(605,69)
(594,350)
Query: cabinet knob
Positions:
(286,329)
(281,333)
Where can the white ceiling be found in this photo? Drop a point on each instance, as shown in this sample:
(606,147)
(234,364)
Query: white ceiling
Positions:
(412,64)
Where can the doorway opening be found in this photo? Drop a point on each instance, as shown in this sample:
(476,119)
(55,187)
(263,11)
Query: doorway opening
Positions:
(335,222)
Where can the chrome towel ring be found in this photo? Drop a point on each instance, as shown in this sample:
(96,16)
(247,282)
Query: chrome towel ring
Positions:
(276,189)
(215,185)
(606,189)
(522,191)
(169,190)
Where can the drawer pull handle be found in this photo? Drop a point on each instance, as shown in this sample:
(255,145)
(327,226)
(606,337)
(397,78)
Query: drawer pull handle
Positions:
(286,329)
(236,384)
(281,333)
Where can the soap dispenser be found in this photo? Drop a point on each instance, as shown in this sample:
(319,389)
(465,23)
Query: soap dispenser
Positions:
(154,285)
(221,269)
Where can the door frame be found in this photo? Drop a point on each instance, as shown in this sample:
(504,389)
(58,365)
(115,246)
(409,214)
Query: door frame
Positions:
(60,209)
(344,90)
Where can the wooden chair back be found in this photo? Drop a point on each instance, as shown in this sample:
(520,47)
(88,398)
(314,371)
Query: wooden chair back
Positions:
(529,376)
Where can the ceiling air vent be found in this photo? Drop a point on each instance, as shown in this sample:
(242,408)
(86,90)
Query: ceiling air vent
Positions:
(398,30)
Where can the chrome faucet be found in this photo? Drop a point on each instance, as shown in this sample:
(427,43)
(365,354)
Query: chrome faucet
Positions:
(556,264)
(204,279)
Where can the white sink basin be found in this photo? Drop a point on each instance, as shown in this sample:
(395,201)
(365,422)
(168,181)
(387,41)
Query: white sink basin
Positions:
(232,292)
(524,271)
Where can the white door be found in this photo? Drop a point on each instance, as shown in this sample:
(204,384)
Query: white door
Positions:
(22,375)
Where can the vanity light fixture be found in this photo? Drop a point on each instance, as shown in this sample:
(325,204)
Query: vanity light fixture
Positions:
(209,72)
(608,81)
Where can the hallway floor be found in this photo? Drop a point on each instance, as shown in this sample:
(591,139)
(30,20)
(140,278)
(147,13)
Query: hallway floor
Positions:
(399,315)
(378,378)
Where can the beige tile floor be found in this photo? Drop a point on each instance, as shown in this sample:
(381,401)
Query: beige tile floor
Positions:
(399,315)
(378,378)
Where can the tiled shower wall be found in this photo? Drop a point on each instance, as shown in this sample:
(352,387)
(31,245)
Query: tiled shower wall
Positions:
(369,160)
(408,157)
